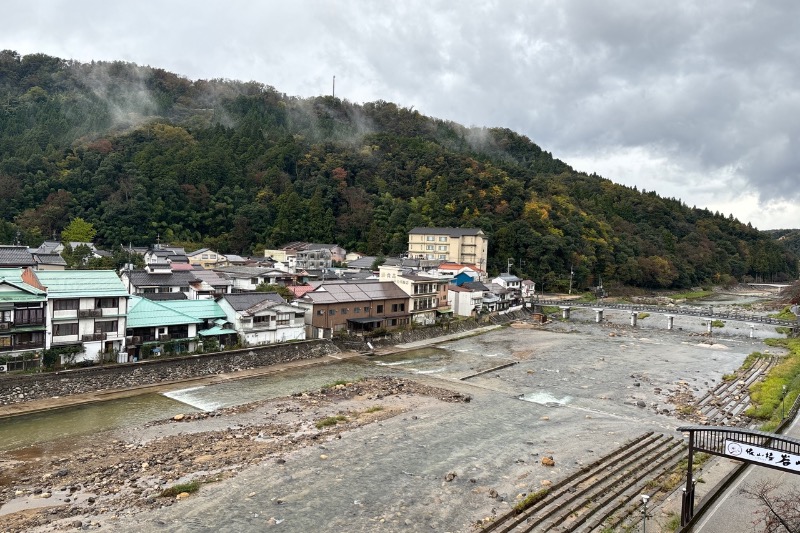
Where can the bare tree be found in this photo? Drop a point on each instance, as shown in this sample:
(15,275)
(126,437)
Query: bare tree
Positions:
(778,511)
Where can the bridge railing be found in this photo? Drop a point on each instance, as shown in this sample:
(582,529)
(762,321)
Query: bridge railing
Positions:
(684,311)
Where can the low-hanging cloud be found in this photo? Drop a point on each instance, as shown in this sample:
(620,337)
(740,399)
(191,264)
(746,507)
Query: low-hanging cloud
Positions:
(697,100)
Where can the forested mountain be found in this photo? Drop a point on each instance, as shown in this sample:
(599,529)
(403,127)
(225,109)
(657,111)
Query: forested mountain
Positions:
(790,238)
(141,152)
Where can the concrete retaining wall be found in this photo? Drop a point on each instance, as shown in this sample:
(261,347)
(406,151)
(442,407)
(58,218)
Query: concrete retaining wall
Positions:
(427,332)
(23,388)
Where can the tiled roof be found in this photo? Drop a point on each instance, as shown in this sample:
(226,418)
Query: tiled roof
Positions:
(355,292)
(49,259)
(164,296)
(364,262)
(475,285)
(243,301)
(300,290)
(509,277)
(15,256)
(212,278)
(145,313)
(453,232)
(77,283)
(245,271)
(141,278)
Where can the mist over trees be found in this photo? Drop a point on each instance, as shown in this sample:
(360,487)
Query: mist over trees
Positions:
(138,152)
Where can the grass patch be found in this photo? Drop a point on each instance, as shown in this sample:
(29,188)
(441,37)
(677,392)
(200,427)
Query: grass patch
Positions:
(728,377)
(642,316)
(330,421)
(785,314)
(337,382)
(717,324)
(768,396)
(171,492)
(751,359)
(531,499)
(693,295)
(673,522)
(374,409)
(782,330)
(550,309)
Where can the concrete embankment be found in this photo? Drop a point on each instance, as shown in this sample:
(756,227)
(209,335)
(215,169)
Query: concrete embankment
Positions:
(96,381)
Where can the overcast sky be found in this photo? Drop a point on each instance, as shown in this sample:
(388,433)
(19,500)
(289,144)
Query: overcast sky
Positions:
(695,100)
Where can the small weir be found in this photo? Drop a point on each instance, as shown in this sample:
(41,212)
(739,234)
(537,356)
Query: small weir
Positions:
(194,398)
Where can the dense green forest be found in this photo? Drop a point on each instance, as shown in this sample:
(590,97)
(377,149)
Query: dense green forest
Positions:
(140,152)
(790,238)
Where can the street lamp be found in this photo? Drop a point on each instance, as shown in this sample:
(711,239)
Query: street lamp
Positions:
(783,397)
(645,497)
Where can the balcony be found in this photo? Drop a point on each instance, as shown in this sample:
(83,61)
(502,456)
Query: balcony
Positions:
(89,313)
(93,337)
(4,326)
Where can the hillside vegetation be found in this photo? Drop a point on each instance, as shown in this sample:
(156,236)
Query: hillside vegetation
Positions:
(140,152)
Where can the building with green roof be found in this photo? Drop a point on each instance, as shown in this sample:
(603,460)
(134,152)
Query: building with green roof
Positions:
(22,320)
(88,309)
(175,326)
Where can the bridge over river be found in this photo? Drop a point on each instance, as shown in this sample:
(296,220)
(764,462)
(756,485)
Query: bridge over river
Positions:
(708,314)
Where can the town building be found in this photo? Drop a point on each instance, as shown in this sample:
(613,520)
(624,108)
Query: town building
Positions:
(87,309)
(263,318)
(355,308)
(23,325)
(457,245)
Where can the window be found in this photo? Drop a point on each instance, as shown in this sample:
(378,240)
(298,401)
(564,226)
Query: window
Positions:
(402,307)
(254,281)
(344,310)
(331,312)
(395,307)
(29,316)
(262,319)
(443,239)
(356,310)
(5,316)
(5,342)
(149,290)
(429,238)
(205,256)
(380,308)
(65,305)
(107,303)
(442,248)
(184,289)
(320,312)
(62,330)
(33,339)
(366,309)
(429,247)
(106,326)
(393,322)
(442,256)
(284,319)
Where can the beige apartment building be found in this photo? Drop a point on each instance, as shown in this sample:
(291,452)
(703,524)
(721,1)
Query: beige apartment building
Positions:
(457,245)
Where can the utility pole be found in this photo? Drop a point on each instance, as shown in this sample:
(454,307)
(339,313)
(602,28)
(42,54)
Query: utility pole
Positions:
(334,87)
(509,262)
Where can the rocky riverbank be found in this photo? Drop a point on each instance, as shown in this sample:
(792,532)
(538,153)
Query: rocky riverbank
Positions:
(91,484)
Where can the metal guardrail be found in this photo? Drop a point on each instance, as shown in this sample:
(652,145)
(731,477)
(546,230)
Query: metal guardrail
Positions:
(684,311)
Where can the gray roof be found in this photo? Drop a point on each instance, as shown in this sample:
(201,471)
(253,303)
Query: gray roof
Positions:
(212,278)
(509,277)
(475,286)
(453,232)
(246,271)
(355,292)
(141,278)
(49,259)
(15,256)
(364,262)
(164,296)
(243,301)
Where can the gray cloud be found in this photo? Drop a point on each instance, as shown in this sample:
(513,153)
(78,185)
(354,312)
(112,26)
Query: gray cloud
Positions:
(693,100)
